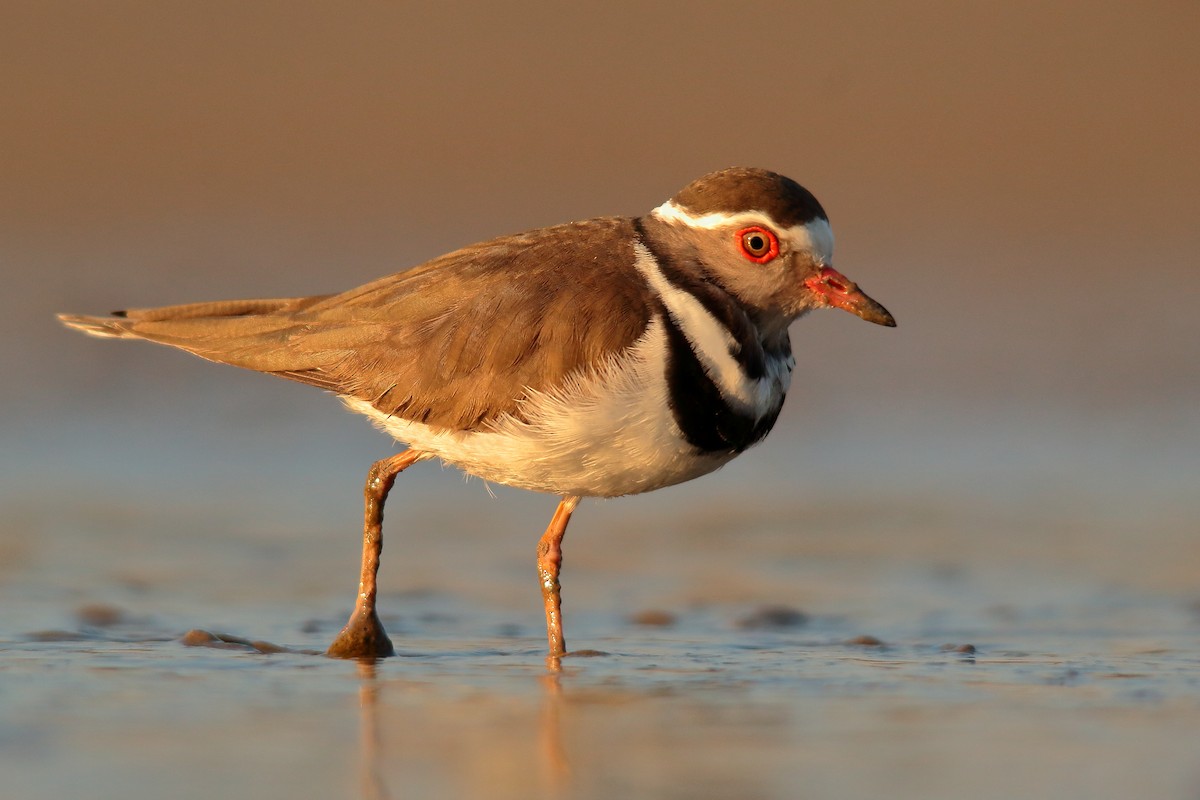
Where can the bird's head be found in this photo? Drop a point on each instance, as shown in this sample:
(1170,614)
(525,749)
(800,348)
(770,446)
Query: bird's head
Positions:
(764,239)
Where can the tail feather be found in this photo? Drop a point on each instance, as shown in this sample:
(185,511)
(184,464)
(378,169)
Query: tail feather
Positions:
(225,330)
(100,327)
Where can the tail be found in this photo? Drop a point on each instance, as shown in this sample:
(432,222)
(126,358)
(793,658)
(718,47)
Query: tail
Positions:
(124,324)
(234,332)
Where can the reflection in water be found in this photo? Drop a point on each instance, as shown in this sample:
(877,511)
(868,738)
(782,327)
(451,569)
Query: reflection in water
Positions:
(554,766)
(556,770)
(370,777)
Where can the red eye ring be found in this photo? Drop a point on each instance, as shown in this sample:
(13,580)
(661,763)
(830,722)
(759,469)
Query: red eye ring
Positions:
(758,244)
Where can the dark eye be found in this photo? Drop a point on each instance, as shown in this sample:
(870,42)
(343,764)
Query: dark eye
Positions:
(757,244)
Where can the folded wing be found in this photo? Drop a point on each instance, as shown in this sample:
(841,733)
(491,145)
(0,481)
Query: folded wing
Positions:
(453,343)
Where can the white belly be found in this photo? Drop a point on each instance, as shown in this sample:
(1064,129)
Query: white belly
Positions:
(604,434)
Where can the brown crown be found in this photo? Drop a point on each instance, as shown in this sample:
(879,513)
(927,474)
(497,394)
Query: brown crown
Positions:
(740,189)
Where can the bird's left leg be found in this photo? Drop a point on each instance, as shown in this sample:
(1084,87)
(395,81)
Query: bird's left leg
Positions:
(364,636)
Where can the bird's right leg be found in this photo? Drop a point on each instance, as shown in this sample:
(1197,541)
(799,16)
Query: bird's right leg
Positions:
(549,562)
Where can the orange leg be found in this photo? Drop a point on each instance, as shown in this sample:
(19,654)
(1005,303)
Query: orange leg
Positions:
(364,636)
(549,561)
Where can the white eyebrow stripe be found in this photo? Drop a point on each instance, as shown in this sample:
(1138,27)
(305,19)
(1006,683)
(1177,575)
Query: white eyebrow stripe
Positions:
(672,213)
(815,236)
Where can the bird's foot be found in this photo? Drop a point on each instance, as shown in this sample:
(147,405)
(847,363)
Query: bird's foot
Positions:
(363,637)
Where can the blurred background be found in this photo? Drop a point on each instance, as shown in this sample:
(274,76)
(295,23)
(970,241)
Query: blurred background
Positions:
(1017,182)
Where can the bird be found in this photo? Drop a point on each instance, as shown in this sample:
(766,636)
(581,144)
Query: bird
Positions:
(606,357)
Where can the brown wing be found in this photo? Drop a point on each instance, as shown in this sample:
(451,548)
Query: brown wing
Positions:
(453,343)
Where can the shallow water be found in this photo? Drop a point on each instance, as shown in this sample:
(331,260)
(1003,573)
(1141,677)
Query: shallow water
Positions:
(896,650)
(701,710)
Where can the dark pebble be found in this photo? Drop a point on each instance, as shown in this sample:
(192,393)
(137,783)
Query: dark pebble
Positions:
(654,618)
(865,641)
(225,641)
(773,618)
